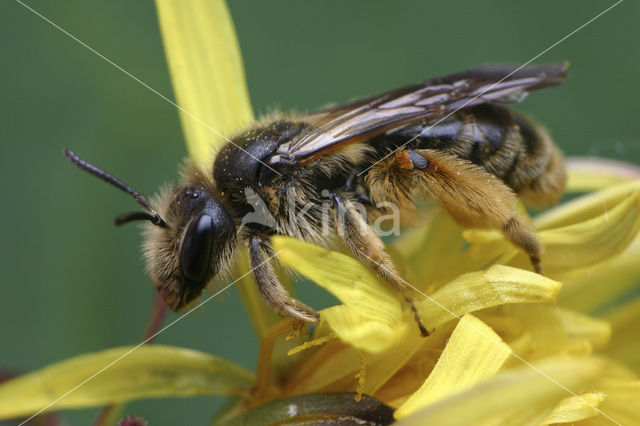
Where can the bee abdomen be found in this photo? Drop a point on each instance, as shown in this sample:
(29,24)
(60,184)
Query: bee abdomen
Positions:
(538,174)
(501,141)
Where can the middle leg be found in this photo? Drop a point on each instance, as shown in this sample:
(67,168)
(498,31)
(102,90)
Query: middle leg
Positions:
(361,239)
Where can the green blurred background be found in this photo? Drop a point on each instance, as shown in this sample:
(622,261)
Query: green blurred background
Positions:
(72,283)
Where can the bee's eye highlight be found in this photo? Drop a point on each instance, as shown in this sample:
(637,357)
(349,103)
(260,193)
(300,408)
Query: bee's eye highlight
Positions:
(194,195)
(195,255)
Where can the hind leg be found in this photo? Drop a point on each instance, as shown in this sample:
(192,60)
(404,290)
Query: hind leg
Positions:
(472,196)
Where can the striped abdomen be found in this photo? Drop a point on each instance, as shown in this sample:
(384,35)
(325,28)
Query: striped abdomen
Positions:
(498,139)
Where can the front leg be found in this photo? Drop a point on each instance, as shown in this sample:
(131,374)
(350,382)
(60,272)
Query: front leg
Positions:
(361,239)
(271,290)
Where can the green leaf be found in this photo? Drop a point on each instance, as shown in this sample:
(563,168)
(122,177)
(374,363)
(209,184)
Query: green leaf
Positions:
(122,374)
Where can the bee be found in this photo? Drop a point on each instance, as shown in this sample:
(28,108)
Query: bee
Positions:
(451,139)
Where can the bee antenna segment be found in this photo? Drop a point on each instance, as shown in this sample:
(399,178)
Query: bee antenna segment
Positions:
(123,218)
(112,180)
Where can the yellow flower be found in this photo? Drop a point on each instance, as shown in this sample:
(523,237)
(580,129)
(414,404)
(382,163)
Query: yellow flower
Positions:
(509,346)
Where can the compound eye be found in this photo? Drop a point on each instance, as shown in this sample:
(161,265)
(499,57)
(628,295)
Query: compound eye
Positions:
(195,256)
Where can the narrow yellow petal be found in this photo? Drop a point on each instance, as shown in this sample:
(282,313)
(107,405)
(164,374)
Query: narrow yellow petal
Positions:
(370,307)
(333,362)
(149,371)
(600,286)
(621,403)
(592,173)
(365,333)
(474,353)
(435,254)
(206,71)
(625,345)
(554,330)
(590,230)
(594,240)
(498,285)
(574,408)
(479,290)
(586,207)
(521,396)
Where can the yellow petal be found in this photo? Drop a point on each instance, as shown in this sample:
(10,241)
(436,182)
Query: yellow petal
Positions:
(592,173)
(598,287)
(553,330)
(362,332)
(146,372)
(590,230)
(586,207)
(370,307)
(206,71)
(592,241)
(625,345)
(621,403)
(522,396)
(479,290)
(470,292)
(474,353)
(333,362)
(574,408)
(435,254)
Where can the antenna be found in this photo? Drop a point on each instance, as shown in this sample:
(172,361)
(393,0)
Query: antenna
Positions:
(150,214)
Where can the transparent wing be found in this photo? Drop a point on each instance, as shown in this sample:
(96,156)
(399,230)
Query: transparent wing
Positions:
(335,127)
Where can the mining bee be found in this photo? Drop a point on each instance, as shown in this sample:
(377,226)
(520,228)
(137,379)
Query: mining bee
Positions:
(450,139)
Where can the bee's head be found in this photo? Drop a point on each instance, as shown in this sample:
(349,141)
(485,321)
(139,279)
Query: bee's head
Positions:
(189,239)
(196,244)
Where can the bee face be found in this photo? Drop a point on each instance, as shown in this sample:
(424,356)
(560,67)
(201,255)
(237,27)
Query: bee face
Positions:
(195,245)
